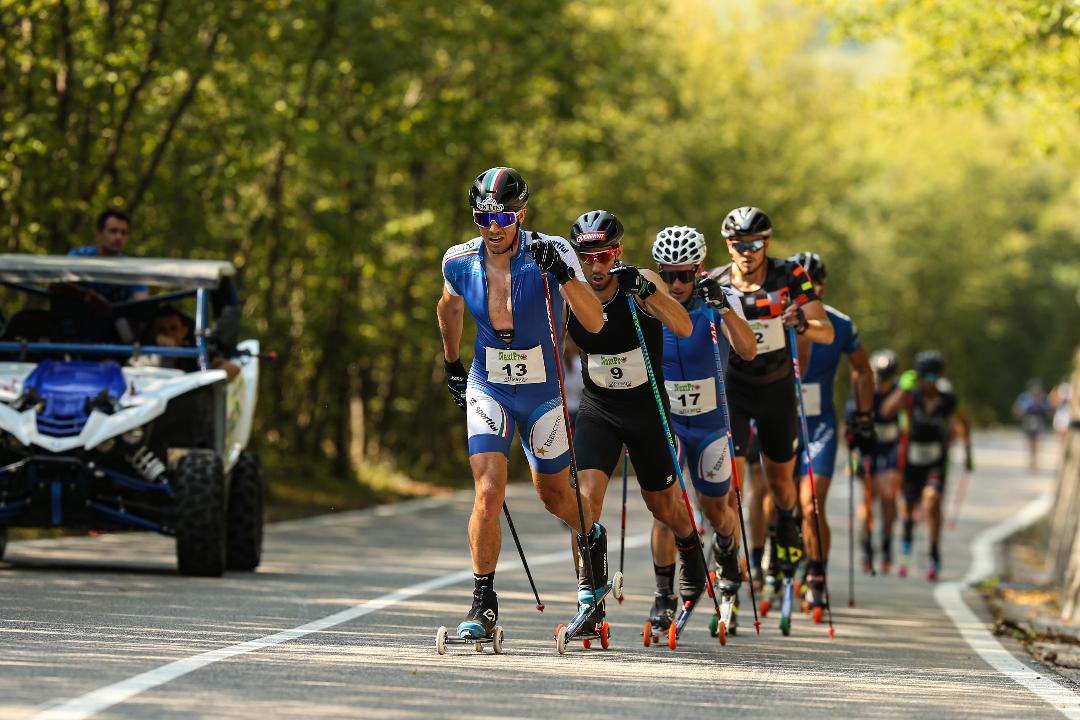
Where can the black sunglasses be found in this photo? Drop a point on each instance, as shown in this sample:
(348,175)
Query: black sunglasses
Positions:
(683,276)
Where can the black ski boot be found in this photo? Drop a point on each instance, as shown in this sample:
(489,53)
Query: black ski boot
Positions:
(727,563)
(662,613)
(692,574)
(482,617)
(815,590)
(597,548)
(789,542)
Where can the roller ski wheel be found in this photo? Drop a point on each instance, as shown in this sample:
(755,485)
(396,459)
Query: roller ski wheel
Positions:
(714,625)
(647,637)
(763,610)
(818,615)
(785,626)
(440,640)
(443,638)
(721,632)
(932,572)
(805,606)
(673,636)
(605,636)
(901,571)
(560,639)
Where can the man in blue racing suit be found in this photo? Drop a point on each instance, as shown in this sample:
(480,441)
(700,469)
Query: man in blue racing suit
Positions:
(821,362)
(513,380)
(698,418)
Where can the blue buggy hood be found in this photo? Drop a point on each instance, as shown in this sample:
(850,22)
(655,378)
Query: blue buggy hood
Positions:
(68,389)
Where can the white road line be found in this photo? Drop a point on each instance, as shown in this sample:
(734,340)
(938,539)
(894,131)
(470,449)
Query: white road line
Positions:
(950,597)
(96,701)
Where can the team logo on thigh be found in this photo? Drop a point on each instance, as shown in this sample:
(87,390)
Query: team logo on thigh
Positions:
(485,416)
(547,433)
(714,465)
(822,437)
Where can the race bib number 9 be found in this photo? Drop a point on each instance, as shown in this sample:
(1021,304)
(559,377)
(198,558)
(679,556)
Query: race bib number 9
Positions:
(769,334)
(811,397)
(618,372)
(924,453)
(515,367)
(691,397)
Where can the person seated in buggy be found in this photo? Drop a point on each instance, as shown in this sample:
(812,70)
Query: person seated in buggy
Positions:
(169,327)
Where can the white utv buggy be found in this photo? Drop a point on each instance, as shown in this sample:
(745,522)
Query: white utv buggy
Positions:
(101,428)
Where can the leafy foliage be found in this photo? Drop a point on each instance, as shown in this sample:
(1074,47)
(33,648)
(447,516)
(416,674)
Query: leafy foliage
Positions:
(326,148)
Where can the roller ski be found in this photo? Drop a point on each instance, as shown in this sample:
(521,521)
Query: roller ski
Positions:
(789,552)
(727,581)
(905,558)
(727,623)
(692,584)
(660,618)
(479,627)
(771,589)
(815,593)
(589,623)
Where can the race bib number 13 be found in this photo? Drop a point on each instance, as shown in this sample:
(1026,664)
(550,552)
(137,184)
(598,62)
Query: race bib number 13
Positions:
(515,367)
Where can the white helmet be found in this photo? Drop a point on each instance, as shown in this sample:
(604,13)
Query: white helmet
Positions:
(679,245)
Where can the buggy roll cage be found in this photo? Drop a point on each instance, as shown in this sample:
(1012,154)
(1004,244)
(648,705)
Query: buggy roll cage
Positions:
(209,282)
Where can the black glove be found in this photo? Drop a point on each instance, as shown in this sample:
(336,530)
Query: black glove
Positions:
(714,296)
(632,282)
(861,433)
(549,260)
(456,381)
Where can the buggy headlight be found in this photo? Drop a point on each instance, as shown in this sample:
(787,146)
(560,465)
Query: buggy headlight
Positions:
(134,437)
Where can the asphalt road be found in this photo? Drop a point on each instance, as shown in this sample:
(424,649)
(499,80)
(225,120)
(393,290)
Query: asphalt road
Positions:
(96,626)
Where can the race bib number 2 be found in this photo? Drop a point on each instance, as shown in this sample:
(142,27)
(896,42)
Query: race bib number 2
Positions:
(515,367)
(769,334)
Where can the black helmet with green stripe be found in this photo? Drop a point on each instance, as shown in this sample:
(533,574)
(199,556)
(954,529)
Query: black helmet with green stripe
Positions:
(500,189)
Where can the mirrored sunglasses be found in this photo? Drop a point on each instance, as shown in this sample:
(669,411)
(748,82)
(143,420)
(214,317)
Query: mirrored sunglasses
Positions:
(601,256)
(502,219)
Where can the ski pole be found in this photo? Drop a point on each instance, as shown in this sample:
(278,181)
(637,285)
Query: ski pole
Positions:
(671,449)
(851,527)
(584,542)
(965,476)
(810,472)
(734,466)
(622,533)
(868,501)
(521,552)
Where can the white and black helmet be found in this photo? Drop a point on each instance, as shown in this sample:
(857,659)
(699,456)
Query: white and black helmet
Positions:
(746,220)
(679,245)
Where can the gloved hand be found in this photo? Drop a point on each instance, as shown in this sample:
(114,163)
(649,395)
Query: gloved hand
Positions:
(908,380)
(794,316)
(712,293)
(632,282)
(456,381)
(547,257)
(861,433)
